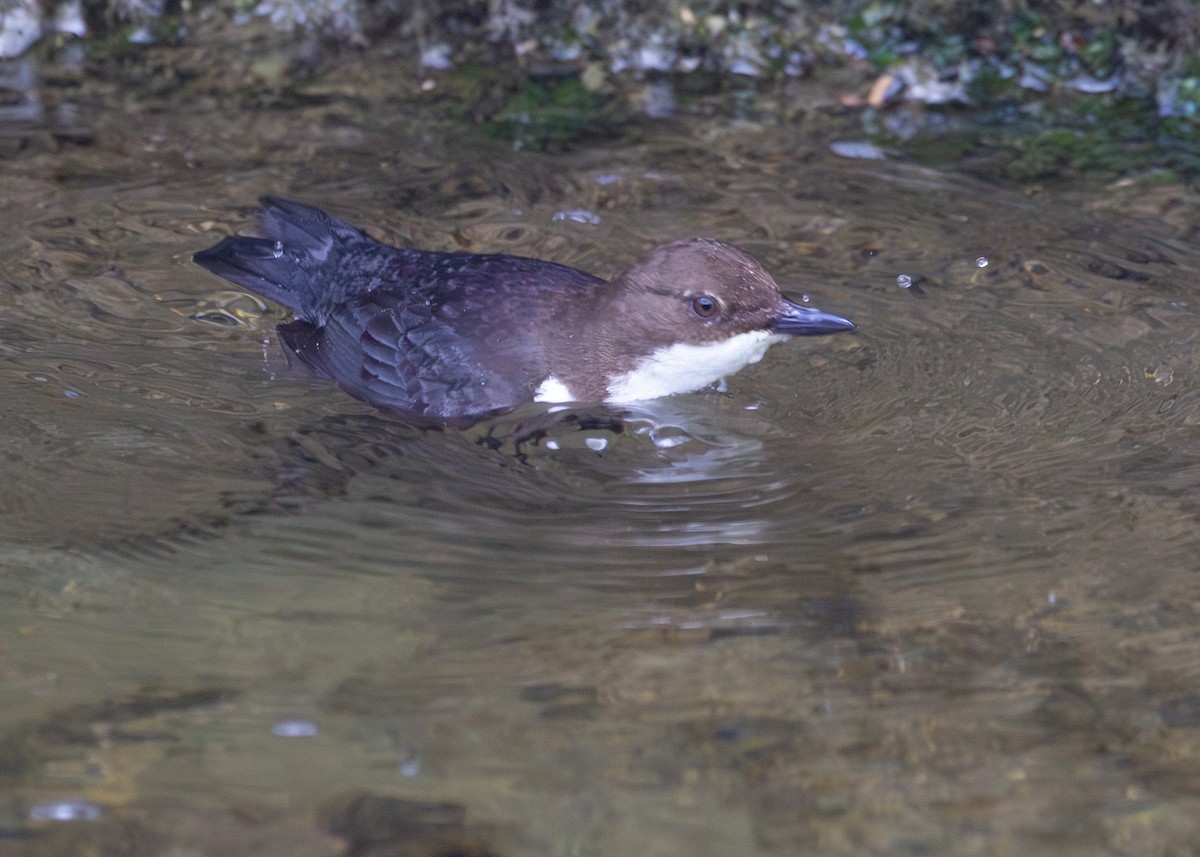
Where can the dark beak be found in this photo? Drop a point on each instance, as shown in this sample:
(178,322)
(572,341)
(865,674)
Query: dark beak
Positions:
(799,320)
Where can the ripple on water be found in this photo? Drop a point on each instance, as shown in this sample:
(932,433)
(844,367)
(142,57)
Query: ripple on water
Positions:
(859,567)
(545,485)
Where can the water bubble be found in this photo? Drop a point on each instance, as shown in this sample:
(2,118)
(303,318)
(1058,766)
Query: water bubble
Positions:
(1052,598)
(577,215)
(904,281)
(857,149)
(805,299)
(277,250)
(65,810)
(410,768)
(596,444)
(668,437)
(551,444)
(295,729)
(981,262)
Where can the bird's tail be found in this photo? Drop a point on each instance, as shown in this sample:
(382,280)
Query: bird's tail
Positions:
(293,263)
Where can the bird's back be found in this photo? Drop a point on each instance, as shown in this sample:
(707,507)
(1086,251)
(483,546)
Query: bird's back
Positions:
(426,333)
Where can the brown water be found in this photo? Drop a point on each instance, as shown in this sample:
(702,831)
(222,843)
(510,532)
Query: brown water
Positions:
(929,588)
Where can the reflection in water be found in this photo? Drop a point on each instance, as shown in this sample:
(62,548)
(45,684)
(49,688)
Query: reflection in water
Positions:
(22,103)
(930,584)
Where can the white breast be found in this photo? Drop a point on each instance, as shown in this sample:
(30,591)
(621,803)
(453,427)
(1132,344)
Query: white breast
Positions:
(683,367)
(553,390)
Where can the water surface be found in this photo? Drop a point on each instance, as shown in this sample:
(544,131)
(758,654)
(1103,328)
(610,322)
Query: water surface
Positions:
(930,587)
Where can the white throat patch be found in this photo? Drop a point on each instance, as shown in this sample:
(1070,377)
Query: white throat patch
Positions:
(553,390)
(683,367)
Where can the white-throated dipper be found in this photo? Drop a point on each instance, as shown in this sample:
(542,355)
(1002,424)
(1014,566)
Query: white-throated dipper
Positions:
(459,336)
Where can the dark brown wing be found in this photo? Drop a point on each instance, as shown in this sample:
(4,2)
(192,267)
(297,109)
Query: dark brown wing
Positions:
(406,359)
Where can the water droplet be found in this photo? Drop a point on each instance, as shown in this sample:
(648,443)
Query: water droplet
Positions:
(410,768)
(668,437)
(65,810)
(295,729)
(904,281)
(71,394)
(551,444)
(277,250)
(805,299)
(981,262)
(1051,599)
(596,444)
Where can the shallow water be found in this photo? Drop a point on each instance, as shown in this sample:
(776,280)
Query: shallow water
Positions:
(930,587)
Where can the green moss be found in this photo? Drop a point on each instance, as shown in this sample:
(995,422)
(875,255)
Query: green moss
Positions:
(116,45)
(1099,53)
(941,149)
(878,29)
(546,114)
(119,43)
(990,86)
(1181,98)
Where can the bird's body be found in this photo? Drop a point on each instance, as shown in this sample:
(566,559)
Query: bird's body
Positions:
(452,336)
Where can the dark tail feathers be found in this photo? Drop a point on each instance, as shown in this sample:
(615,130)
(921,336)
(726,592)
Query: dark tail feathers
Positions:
(289,265)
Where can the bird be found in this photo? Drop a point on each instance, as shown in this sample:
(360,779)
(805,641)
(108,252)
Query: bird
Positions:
(457,336)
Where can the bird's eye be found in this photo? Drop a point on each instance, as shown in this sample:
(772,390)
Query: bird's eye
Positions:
(704,306)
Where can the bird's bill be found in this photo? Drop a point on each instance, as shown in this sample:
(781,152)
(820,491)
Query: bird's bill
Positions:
(800,320)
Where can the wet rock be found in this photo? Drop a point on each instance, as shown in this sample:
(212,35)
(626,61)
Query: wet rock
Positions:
(20,26)
(107,836)
(1182,712)
(386,826)
(562,701)
(77,726)
(18,756)
(1069,709)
